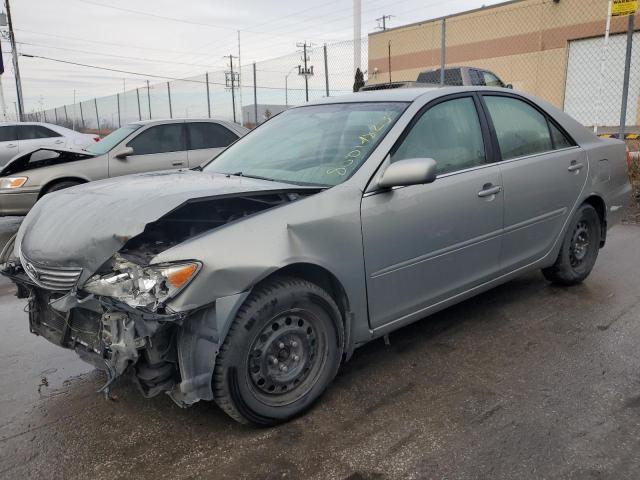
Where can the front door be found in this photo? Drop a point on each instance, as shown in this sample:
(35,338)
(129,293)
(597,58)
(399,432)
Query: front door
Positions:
(158,147)
(543,173)
(34,136)
(426,243)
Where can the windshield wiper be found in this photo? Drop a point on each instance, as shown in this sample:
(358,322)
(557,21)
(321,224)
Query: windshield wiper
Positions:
(257,177)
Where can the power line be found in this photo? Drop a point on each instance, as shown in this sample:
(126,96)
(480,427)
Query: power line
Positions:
(148,75)
(118,56)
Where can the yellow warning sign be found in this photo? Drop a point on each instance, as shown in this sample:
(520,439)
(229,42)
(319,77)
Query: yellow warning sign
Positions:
(624,7)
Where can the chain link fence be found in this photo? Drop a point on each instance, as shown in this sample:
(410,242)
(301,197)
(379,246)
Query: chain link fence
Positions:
(256,92)
(554,49)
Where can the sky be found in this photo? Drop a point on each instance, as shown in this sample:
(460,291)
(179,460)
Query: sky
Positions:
(176,39)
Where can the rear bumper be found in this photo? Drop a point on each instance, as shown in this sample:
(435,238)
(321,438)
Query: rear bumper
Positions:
(618,202)
(17,203)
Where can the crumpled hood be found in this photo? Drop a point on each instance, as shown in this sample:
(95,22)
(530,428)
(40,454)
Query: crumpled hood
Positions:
(84,226)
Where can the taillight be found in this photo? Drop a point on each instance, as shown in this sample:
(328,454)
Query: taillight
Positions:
(97,139)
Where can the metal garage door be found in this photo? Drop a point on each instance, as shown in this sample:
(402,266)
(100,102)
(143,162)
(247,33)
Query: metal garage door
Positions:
(583,80)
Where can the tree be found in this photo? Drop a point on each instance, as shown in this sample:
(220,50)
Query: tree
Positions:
(359,83)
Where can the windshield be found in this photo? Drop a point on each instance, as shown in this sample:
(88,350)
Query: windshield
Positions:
(316,145)
(111,140)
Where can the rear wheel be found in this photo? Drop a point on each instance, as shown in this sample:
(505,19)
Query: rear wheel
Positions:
(579,249)
(281,352)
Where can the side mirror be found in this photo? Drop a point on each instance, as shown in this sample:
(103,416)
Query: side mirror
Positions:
(412,171)
(509,85)
(124,153)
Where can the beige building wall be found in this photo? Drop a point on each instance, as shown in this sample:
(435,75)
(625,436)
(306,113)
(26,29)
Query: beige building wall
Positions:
(524,42)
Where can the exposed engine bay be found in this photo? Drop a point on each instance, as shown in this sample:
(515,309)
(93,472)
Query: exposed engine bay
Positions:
(118,321)
(43,157)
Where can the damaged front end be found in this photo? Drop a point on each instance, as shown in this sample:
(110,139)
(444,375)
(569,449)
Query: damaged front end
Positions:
(117,316)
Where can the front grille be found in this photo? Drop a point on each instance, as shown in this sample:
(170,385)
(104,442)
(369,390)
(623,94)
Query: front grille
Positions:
(51,278)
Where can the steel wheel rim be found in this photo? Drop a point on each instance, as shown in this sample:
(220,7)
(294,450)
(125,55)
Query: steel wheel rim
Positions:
(580,242)
(286,357)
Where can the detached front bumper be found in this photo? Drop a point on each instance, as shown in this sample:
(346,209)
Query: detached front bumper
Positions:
(171,353)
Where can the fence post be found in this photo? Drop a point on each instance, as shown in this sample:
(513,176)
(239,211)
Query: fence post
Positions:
(66,117)
(95,102)
(149,98)
(443,50)
(118,101)
(55,114)
(206,77)
(81,115)
(627,72)
(169,94)
(255,95)
(326,70)
(139,110)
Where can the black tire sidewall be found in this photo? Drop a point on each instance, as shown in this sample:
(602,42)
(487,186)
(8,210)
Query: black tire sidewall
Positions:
(253,321)
(590,215)
(60,186)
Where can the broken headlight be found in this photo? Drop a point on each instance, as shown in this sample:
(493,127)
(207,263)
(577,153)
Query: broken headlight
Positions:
(142,286)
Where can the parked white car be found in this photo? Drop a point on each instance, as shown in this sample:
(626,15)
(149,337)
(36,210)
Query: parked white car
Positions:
(21,137)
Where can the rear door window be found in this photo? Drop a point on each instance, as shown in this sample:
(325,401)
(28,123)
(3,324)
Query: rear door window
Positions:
(159,139)
(521,129)
(477,78)
(560,140)
(34,132)
(209,135)
(8,134)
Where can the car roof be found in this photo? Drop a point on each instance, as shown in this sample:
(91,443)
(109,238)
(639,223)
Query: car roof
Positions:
(176,120)
(397,94)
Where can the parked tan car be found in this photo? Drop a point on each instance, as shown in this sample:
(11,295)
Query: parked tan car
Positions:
(137,147)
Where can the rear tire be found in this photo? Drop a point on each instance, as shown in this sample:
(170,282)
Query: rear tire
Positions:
(282,351)
(60,186)
(579,249)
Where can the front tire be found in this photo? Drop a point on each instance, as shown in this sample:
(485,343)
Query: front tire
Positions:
(60,186)
(282,351)
(579,249)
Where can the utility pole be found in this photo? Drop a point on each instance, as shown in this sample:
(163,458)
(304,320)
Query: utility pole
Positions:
(149,98)
(306,71)
(230,79)
(16,68)
(382,22)
(240,78)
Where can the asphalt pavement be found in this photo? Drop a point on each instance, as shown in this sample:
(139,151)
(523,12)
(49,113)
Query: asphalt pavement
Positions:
(526,381)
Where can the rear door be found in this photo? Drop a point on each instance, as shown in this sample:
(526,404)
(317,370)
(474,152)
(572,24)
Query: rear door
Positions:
(8,143)
(34,136)
(158,147)
(426,243)
(543,173)
(206,140)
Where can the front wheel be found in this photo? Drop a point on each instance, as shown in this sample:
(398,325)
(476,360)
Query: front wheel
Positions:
(579,249)
(282,351)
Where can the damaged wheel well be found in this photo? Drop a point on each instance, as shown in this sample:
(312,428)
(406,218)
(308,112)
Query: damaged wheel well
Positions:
(327,281)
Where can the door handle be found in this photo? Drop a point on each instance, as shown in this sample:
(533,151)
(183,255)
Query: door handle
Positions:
(177,164)
(12,145)
(489,189)
(575,166)
(58,142)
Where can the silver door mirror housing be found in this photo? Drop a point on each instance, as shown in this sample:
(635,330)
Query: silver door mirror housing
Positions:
(123,153)
(412,171)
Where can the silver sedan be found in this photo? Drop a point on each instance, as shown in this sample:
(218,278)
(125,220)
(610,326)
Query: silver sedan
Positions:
(137,147)
(249,281)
